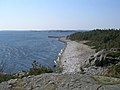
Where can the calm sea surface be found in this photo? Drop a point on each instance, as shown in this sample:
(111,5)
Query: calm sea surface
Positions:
(18,49)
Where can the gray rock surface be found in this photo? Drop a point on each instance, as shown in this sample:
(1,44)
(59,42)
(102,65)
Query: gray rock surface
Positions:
(51,82)
(55,81)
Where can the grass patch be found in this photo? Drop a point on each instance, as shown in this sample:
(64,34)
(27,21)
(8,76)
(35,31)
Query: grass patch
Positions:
(106,80)
(113,71)
(6,77)
(114,54)
(38,69)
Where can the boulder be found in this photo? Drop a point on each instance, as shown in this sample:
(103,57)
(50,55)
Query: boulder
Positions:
(101,59)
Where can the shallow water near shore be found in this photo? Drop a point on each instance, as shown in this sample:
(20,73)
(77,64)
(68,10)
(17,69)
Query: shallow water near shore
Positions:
(18,49)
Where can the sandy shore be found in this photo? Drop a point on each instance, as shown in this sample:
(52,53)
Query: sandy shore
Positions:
(75,55)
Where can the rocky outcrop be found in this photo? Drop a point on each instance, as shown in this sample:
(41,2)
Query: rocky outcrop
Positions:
(101,59)
(56,82)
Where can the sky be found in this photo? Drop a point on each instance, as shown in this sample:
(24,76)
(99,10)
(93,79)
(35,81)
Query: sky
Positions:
(59,14)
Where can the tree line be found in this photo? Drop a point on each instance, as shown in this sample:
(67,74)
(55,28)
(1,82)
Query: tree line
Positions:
(99,38)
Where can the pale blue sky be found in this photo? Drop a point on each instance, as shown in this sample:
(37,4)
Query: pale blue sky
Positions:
(59,14)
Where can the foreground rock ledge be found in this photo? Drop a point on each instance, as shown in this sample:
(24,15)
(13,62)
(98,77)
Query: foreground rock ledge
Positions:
(56,82)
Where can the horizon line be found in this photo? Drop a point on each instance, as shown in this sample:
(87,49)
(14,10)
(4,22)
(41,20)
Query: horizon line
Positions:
(53,29)
(44,29)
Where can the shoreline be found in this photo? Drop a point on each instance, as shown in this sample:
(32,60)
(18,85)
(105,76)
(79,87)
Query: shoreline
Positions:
(73,56)
(58,60)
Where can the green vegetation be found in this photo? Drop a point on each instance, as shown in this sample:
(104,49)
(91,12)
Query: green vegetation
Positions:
(99,38)
(39,69)
(114,54)
(58,69)
(103,39)
(6,77)
(106,80)
(113,71)
(36,69)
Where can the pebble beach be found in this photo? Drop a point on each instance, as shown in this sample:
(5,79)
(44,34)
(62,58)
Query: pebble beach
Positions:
(75,55)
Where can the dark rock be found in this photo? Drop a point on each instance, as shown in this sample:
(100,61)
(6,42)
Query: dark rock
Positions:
(101,59)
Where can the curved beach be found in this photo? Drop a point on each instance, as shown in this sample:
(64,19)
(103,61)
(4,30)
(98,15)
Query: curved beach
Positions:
(75,55)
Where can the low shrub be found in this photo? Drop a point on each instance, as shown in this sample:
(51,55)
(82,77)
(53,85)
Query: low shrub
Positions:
(6,77)
(39,69)
(114,54)
(106,80)
(113,71)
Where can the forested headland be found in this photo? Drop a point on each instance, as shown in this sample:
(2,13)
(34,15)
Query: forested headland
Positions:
(99,38)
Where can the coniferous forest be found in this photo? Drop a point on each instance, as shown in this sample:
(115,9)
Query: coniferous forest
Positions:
(99,38)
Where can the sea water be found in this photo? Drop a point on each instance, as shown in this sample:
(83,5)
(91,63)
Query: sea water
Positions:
(18,49)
